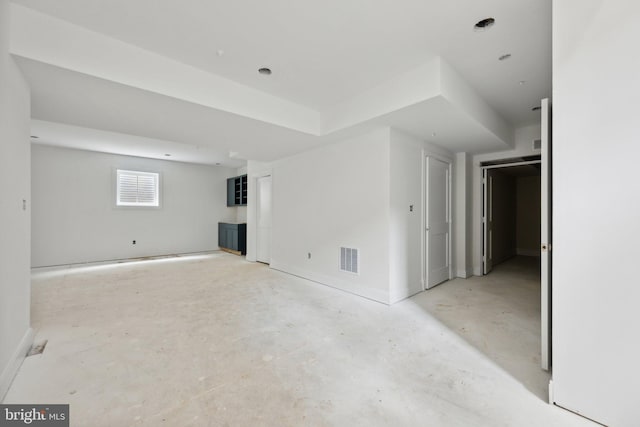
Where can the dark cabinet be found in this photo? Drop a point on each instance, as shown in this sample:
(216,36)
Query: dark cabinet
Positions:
(237,191)
(232,237)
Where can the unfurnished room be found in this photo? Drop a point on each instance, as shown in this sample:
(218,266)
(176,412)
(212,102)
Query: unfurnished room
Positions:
(338,213)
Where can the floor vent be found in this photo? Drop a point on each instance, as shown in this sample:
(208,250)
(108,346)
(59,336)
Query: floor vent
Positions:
(349,261)
(37,348)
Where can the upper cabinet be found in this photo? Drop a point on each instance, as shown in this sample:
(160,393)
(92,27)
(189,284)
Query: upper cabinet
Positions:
(237,191)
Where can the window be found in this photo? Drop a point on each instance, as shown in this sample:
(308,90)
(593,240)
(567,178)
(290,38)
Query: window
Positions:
(137,188)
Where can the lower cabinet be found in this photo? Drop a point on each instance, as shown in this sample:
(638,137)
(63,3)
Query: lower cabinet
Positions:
(232,237)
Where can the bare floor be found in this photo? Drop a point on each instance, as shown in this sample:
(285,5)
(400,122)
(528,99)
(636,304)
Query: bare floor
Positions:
(217,341)
(499,314)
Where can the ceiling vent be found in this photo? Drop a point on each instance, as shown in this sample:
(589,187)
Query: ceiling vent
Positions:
(537,144)
(349,260)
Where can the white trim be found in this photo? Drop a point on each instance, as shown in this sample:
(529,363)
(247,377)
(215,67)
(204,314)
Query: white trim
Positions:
(137,173)
(508,165)
(10,371)
(425,189)
(333,282)
(481,271)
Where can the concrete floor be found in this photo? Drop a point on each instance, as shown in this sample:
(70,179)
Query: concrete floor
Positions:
(217,341)
(499,314)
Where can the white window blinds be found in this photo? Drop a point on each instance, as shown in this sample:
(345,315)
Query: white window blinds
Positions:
(137,188)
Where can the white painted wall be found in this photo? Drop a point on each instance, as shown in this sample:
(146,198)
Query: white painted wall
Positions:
(406,228)
(596,209)
(75,219)
(463,211)
(333,196)
(353,193)
(524,137)
(15,279)
(254,171)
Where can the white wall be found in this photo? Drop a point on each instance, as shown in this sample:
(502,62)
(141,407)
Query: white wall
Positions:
(406,229)
(333,196)
(75,219)
(254,171)
(524,147)
(463,211)
(15,280)
(596,209)
(354,193)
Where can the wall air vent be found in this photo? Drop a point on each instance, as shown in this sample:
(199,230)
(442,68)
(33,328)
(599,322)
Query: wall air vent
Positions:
(537,144)
(349,260)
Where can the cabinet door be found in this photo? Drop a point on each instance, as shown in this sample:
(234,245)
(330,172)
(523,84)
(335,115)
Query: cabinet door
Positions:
(243,189)
(232,238)
(231,192)
(222,236)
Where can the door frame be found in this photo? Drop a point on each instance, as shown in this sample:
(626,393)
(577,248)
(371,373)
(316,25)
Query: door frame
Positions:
(483,200)
(257,208)
(425,192)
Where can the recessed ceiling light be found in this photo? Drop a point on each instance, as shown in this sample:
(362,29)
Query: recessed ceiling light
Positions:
(484,24)
(505,56)
(536,108)
(168,155)
(217,164)
(434,134)
(522,82)
(265,71)
(220,52)
(34,137)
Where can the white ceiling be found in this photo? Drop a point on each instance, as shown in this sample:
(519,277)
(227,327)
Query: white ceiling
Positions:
(321,53)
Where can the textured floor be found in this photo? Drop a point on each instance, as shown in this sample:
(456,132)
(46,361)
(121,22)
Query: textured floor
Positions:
(217,341)
(499,314)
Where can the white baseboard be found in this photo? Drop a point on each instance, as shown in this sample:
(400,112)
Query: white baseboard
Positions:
(462,274)
(9,372)
(333,282)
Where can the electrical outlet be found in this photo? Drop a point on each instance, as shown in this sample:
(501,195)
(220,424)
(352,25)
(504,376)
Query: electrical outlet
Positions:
(133,243)
(410,208)
(309,255)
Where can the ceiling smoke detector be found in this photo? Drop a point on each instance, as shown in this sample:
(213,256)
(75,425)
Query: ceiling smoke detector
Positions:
(265,71)
(484,24)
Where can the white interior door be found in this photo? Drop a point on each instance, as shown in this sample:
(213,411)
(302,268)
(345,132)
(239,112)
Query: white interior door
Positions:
(263,232)
(438,221)
(545,235)
(487,221)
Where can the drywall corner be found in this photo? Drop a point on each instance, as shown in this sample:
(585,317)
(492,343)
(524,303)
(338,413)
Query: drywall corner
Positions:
(254,170)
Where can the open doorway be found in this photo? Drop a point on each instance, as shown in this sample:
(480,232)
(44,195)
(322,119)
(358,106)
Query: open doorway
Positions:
(500,313)
(511,212)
